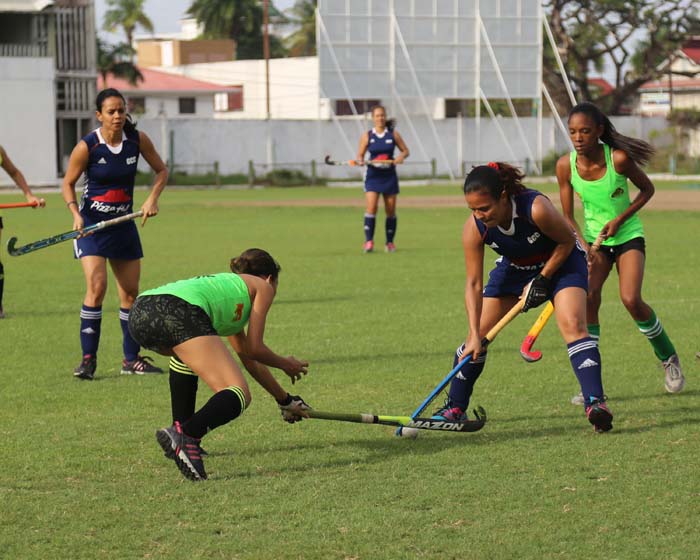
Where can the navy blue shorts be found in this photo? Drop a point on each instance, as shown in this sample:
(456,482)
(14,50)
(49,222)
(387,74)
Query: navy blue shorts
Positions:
(506,280)
(382,181)
(116,242)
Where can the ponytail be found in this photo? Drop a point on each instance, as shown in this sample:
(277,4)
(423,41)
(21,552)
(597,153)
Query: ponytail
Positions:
(638,150)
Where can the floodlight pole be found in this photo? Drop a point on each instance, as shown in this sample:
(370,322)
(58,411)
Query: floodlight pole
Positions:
(266,55)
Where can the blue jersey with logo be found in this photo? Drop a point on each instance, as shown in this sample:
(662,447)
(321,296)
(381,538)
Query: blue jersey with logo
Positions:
(109,177)
(381,179)
(109,193)
(524,250)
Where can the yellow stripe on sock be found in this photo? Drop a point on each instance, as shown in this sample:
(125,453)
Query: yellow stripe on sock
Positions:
(180,367)
(241,396)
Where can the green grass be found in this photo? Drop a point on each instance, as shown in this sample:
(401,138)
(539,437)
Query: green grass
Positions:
(82,476)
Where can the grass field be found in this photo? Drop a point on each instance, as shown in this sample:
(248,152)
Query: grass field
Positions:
(82,476)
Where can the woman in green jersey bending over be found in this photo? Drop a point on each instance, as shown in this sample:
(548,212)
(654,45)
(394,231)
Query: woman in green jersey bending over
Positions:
(185,320)
(597,170)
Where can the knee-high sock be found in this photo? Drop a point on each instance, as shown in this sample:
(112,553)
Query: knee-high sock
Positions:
(390,227)
(90,326)
(370,220)
(2,282)
(463,383)
(223,407)
(183,391)
(586,363)
(654,331)
(129,345)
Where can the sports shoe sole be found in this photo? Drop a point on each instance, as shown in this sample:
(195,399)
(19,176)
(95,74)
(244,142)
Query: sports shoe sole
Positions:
(183,463)
(601,420)
(676,389)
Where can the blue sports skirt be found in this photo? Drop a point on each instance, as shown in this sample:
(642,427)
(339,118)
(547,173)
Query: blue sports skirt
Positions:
(117,242)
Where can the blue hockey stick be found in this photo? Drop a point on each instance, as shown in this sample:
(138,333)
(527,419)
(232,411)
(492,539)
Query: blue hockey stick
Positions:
(488,339)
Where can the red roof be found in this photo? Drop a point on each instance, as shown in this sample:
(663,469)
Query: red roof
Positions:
(154,80)
(677,82)
(691,49)
(602,84)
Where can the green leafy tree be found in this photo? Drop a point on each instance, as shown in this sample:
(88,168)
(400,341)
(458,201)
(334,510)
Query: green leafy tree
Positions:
(303,41)
(117,61)
(240,20)
(126,14)
(634,37)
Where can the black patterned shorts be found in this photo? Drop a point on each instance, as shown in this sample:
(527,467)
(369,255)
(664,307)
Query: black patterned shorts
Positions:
(161,321)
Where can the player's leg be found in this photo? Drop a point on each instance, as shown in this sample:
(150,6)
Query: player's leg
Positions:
(391,221)
(2,277)
(95,272)
(371,203)
(208,357)
(630,267)
(455,407)
(127,274)
(570,310)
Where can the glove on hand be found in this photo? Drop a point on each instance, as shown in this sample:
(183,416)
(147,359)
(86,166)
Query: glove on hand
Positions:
(538,293)
(290,408)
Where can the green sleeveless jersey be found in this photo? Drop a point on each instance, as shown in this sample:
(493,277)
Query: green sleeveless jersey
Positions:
(604,200)
(223,297)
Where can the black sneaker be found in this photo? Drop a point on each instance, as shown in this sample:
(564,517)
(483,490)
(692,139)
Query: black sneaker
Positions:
(599,415)
(86,369)
(184,450)
(140,366)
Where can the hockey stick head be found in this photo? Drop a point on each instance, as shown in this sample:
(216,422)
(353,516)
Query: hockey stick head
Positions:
(11,246)
(328,161)
(526,351)
(444,426)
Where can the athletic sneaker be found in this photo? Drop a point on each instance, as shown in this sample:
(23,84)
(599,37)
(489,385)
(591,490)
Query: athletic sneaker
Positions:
(599,415)
(390,248)
(184,450)
(86,369)
(449,413)
(368,247)
(139,366)
(674,379)
(578,399)
(2,313)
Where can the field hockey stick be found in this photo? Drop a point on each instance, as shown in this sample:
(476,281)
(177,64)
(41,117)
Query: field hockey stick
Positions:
(19,205)
(526,351)
(328,161)
(406,421)
(488,339)
(61,237)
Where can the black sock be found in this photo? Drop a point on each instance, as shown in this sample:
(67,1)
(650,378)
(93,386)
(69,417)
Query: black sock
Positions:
(2,282)
(223,407)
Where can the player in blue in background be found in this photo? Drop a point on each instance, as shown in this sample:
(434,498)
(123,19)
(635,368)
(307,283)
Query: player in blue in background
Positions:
(381,178)
(109,157)
(540,261)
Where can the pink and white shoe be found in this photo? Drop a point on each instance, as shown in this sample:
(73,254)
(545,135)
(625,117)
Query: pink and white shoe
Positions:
(368,247)
(390,248)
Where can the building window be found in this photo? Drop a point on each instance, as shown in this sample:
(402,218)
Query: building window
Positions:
(136,105)
(187,105)
(342,106)
(229,101)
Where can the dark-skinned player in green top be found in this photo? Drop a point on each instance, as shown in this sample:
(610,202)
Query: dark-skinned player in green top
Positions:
(186,320)
(598,171)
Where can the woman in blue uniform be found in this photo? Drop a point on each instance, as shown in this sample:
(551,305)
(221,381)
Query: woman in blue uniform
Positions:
(109,157)
(540,261)
(21,182)
(380,178)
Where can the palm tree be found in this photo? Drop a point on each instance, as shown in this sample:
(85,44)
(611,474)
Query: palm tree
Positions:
(116,60)
(303,41)
(240,20)
(126,14)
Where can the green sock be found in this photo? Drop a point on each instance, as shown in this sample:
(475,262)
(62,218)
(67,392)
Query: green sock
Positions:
(593,331)
(654,331)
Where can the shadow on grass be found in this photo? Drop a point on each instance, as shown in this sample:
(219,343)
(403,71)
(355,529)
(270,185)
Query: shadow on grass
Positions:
(313,300)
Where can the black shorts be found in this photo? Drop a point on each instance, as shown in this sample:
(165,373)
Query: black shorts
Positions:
(160,322)
(614,251)
(0,222)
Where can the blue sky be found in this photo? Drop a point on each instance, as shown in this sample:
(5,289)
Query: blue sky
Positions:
(165,15)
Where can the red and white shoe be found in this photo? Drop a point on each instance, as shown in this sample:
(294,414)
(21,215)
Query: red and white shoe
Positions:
(368,247)
(390,248)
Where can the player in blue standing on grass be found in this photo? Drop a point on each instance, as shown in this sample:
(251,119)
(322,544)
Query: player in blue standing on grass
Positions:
(381,179)
(598,171)
(21,182)
(540,260)
(109,157)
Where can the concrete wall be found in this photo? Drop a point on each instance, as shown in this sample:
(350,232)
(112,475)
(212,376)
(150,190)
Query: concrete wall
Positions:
(290,143)
(28,118)
(169,103)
